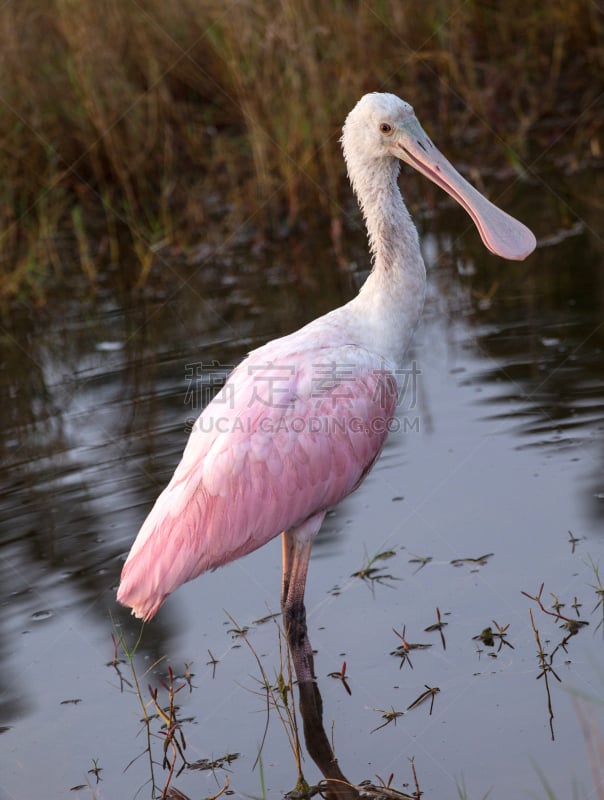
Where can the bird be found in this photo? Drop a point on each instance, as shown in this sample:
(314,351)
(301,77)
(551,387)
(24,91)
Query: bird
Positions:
(301,420)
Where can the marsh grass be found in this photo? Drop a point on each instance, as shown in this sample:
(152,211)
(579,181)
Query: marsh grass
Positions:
(278,695)
(130,130)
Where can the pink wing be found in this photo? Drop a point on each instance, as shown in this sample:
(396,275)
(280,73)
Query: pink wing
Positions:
(283,440)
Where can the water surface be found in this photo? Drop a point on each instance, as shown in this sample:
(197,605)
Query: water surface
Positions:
(500,455)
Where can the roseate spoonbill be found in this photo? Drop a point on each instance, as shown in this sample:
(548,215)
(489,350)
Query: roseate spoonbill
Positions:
(255,465)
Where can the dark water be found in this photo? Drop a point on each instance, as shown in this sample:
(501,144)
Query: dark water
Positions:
(500,454)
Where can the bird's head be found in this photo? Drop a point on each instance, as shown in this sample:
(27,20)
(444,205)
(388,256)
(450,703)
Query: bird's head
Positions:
(382,127)
(372,126)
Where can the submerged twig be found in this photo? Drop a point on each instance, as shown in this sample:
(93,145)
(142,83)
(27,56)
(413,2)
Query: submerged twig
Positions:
(421,560)
(341,675)
(173,735)
(573,541)
(546,669)
(402,651)
(438,626)
(431,692)
(384,790)
(480,561)
(572,625)
(389,716)
(213,662)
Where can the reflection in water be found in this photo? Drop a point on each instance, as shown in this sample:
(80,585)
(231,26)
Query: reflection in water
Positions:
(95,421)
(539,327)
(336,786)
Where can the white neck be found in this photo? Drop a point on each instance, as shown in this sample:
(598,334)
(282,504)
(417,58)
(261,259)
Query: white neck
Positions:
(392,298)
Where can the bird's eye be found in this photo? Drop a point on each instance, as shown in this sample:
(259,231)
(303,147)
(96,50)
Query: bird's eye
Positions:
(386,128)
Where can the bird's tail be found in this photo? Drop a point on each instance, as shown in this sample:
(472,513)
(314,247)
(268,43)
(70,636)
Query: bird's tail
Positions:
(137,592)
(166,554)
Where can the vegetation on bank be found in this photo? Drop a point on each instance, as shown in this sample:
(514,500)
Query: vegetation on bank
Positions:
(131,130)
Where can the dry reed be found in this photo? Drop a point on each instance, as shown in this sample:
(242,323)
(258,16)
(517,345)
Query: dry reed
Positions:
(132,129)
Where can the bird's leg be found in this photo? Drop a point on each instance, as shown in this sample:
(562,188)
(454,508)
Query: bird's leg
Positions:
(297,544)
(287,557)
(296,556)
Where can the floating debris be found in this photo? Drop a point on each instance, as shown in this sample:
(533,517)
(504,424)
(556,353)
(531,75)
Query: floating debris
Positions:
(431,691)
(389,716)
(438,626)
(217,763)
(421,560)
(268,618)
(341,675)
(372,574)
(480,561)
(403,650)
(487,636)
(38,616)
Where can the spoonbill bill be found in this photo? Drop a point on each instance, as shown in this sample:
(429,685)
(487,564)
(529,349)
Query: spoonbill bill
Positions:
(276,464)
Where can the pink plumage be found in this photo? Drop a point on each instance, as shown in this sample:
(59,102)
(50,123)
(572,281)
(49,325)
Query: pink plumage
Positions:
(287,435)
(258,465)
